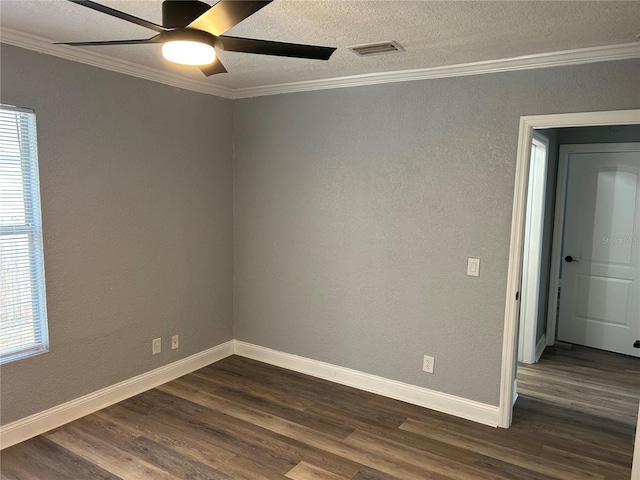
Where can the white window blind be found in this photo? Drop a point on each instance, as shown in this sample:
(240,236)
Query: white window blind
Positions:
(23,322)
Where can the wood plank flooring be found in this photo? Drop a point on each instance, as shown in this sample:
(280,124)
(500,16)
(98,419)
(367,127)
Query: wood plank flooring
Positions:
(241,419)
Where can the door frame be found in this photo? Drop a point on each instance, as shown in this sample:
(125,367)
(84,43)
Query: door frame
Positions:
(558,226)
(635,465)
(512,304)
(528,347)
(556,245)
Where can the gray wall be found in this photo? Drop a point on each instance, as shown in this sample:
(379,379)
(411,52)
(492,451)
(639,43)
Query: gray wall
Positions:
(355,210)
(136,182)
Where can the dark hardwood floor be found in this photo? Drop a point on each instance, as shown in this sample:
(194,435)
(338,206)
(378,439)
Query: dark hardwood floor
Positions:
(241,419)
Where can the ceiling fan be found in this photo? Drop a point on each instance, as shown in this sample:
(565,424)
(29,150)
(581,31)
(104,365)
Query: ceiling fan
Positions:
(191,31)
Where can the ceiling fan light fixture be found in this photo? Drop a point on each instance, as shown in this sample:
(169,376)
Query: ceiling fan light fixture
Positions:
(188,52)
(192,30)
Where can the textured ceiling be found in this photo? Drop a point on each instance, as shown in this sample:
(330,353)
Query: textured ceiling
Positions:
(433,33)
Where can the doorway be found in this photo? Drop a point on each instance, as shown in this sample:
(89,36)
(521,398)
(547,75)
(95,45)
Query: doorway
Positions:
(512,305)
(603,241)
(597,255)
(613,122)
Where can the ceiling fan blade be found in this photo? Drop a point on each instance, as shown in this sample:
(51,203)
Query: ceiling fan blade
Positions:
(213,68)
(156,39)
(226,14)
(118,14)
(281,49)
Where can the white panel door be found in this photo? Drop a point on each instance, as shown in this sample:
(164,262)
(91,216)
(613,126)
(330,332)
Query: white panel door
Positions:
(600,293)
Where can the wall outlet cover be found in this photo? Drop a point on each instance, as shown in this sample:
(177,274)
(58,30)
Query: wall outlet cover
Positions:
(427,364)
(156,346)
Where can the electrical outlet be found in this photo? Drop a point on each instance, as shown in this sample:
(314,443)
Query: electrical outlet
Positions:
(175,339)
(156,346)
(427,364)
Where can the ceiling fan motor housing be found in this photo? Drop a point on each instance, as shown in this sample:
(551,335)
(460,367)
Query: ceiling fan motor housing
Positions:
(180,13)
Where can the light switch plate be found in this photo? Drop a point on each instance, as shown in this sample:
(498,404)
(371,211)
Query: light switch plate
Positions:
(473,267)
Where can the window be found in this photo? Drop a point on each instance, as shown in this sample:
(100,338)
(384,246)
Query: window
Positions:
(23,316)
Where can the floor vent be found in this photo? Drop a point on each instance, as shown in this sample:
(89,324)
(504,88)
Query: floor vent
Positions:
(376,49)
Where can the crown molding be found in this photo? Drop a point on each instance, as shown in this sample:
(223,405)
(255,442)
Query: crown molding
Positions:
(526,62)
(44,45)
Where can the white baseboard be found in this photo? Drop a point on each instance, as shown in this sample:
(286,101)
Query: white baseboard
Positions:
(515,392)
(540,346)
(41,422)
(442,402)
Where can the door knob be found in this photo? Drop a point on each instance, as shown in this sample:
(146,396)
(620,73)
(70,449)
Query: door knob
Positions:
(570,259)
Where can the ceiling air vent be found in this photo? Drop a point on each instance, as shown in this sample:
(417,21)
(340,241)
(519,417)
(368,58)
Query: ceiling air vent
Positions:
(376,49)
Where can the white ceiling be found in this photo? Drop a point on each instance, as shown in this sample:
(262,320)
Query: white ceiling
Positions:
(433,33)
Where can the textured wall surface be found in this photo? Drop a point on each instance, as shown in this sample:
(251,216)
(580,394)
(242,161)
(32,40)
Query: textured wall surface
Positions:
(355,210)
(136,182)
